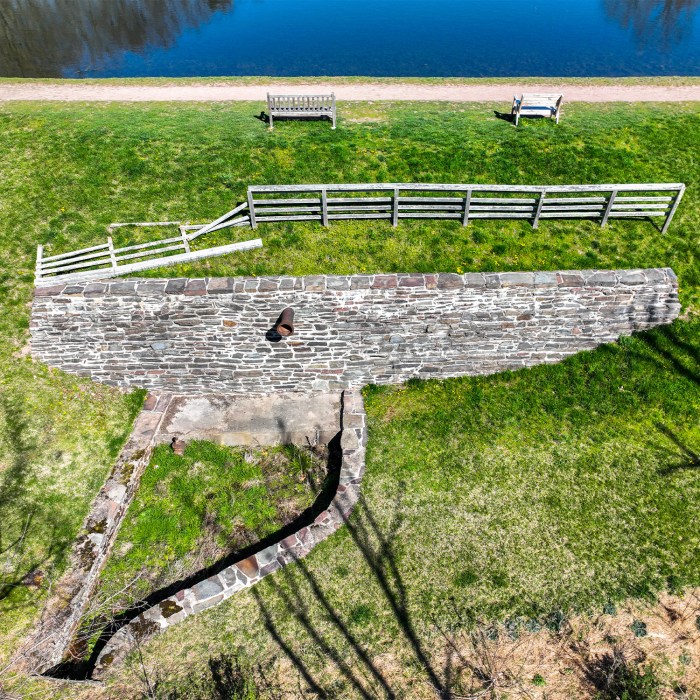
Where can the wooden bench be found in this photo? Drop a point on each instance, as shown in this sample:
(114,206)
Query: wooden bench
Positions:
(301,106)
(536,105)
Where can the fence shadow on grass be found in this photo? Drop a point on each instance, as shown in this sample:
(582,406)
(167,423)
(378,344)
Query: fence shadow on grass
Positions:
(376,547)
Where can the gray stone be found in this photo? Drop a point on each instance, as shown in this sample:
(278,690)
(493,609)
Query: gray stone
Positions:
(207,588)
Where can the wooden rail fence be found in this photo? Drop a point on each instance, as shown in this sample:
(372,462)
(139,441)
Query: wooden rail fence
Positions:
(464,203)
(391,202)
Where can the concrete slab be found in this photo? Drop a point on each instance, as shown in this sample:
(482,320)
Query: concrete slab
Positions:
(253,420)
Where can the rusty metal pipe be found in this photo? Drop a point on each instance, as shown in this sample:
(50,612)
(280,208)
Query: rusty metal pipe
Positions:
(285,325)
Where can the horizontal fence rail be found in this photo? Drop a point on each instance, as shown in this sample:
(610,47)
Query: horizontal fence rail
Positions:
(385,201)
(108,261)
(464,203)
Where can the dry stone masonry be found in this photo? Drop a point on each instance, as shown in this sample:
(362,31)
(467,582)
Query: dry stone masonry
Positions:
(73,590)
(194,336)
(249,571)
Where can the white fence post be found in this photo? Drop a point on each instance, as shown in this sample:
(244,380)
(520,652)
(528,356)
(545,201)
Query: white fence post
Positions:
(112,256)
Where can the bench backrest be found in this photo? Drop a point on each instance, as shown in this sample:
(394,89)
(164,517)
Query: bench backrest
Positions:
(540,100)
(301,103)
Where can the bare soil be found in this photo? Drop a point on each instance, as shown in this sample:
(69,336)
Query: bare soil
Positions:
(212,92)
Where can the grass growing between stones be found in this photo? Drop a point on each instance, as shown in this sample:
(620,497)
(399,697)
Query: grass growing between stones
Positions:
(519,499)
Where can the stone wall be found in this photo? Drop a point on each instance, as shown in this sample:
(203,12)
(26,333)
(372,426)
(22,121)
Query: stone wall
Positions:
(72,592)
(249,571)
(212,335)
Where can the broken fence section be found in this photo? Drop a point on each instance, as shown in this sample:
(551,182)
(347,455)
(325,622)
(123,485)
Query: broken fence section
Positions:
(324,203)
(103,261)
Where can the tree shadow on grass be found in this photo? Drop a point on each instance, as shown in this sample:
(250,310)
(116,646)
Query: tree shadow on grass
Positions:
(20,566)
(690,459)
(376,547)
(82,669)
(668,347)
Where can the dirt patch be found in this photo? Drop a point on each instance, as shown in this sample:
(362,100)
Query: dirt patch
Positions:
(487,92)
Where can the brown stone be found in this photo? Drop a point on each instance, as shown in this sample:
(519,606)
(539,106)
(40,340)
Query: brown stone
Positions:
(249,567)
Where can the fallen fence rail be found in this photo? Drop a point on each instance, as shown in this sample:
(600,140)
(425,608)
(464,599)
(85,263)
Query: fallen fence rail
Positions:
(85,265)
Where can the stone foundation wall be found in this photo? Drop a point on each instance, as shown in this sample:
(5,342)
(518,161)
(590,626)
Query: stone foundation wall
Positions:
(249,571)
(72,592)
(199,336)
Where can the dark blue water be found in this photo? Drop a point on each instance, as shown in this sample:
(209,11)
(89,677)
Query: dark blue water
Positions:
(114,38)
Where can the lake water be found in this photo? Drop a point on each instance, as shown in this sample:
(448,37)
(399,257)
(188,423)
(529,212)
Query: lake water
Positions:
(116,38)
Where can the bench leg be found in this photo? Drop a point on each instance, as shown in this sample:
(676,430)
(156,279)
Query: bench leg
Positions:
(333,127)
(272,123)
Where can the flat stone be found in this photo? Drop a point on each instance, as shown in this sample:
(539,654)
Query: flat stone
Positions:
(474,279)
(196,287)
(570,279)
(249,567)
(151,288)
(123,288)
(411,281)
(602,278)
(449,280)
(207,588)
(314,283)
(384,282)
(546,279)
(95,289)
(49,291)
(632,277)
(220,285)
(198,607)
(267,555)
(175,286)
(517,279)
(338,283)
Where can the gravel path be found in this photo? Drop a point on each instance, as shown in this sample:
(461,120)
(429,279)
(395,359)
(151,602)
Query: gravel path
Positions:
(72,92)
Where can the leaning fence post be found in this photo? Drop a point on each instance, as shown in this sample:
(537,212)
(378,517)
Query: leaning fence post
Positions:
(467,205)
(536,221)
(395,211)
(324,207)
(39,256)
(608,209)
(112,256)
(185,240)
(251,208)
(674,206)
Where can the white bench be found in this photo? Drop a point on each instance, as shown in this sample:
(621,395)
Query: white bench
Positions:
(301,106)
(536,105)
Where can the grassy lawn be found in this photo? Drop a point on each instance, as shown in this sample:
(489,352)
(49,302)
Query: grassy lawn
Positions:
(522,499)
(522,495)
